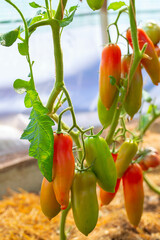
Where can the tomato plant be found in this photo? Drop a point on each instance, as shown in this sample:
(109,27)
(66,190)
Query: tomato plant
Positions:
(96,160)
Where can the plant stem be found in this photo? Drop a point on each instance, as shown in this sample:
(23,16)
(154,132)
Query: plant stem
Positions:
(47,7)
(60,117)
(26,41)
(149,124)
(63,221)
(45,22)
(73,134)
(109,138)
(58,65)
(151,185)
(137,56)
(58,14)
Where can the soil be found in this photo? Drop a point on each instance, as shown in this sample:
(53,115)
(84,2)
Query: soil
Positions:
(21,217)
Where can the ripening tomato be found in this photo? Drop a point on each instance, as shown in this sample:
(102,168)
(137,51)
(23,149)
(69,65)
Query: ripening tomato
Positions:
(49,205)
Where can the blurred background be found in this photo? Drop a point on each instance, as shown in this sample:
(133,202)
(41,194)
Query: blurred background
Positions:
(82,43)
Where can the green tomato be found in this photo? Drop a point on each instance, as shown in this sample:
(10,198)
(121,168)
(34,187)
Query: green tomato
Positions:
(153,31)
(95,4)
(84,201)
(106,116)
(98,154)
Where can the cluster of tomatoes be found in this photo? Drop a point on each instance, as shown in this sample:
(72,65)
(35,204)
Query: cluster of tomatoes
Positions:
(100,166)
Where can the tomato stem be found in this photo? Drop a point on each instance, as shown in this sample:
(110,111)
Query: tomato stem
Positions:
(151,185)
(63,222)
(60,117)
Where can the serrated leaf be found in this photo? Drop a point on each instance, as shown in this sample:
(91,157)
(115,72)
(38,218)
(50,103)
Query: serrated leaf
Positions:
(116,5)
(21,86)
(40,134)
(34,5)
(146,97)
(112,80)
(7,39)
(67,20)
(23,48)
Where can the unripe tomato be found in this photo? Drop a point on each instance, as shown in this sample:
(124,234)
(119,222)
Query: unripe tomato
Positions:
(95,4)
(153,31)
(106,116)
(84,201)
(49,205)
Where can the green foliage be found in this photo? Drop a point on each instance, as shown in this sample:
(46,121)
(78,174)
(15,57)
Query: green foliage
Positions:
(23,48)
(116,5)
(21,86)
(68,17)
(34,5)
(7,39)
(40,134)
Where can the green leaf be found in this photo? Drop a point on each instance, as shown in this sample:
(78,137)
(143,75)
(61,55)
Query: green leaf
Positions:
(116,5)
(27,101)
(23,48)
(73,8)
(40,134)
(21,86)
(34,5)
(112,80)
(67,20)
(146,97)
(7,39)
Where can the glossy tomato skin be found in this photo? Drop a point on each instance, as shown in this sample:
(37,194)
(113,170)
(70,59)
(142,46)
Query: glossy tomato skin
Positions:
(125,155)
(106,116)
(98,154)
(84,201)
(107,197)
(133,193)
(152,65)
(63,168)
(153,31)
(95,4)
(133,98)
(49,205)
(110,66)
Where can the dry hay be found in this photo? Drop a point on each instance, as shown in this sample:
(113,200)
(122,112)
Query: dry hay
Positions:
(21,218)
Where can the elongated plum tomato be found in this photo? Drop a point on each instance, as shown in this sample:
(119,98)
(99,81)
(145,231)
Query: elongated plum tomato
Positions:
(49,205)
(84,201)
(133,193)
(95,4)
(125,155)
(107,197)
(110,68)
(63,168)
(106,116)
(98,154)
(133,98)
(151,65)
